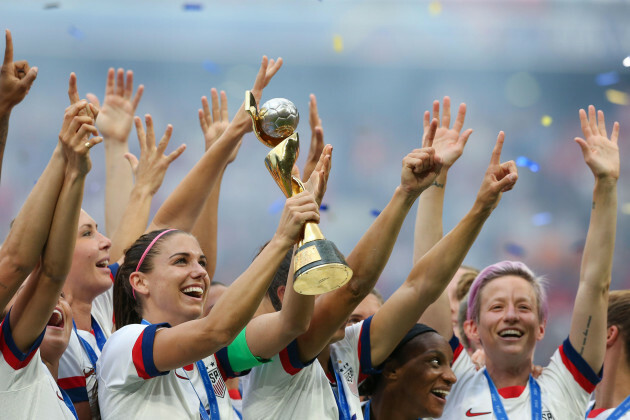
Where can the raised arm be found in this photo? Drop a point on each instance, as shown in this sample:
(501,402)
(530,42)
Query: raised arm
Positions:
(114,124)
(588,324)
(149,173)
(16,78)
(191,341)
(317,137)
(370,255)
(36,302)
(213,124)
(25,242)
(182,208)
(432,273)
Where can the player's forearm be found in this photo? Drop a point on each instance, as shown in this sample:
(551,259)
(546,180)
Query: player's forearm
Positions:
(4,132)
(428,229)
(118,183)
(133,222)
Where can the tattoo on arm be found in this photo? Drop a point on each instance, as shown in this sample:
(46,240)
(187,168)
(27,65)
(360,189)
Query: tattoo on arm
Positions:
(437,184)
(585,334)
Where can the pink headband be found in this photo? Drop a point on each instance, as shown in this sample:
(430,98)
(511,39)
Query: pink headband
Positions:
(146,251)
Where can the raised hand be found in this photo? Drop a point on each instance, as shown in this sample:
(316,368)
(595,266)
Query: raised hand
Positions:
(213,123)
(75,140)
(153,163)
(268,69)
(115,118)
(499,177)
(16,78)
(317,138)
(298,210)
(73,94)
(421,166)
(600,153)
(448,142)
(318,180)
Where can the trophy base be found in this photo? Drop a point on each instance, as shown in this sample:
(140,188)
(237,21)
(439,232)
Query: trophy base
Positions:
(319,268)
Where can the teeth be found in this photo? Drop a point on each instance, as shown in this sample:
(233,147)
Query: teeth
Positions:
(104,263)
(510,332)
(58,312)
(193,289)
(440,392)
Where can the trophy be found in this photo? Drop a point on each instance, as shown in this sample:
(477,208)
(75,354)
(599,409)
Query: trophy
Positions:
(318,264)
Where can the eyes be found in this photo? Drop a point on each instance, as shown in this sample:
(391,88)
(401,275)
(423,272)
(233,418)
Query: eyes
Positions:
(182,260)
(522,307)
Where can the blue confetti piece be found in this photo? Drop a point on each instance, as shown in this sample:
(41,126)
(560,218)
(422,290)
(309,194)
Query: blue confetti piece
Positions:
(514,249)
(276,206)
(522,161)
(607,79)
(192,7)
(76,33)
(541,219)
(210,66)
(323,207)
(375,212)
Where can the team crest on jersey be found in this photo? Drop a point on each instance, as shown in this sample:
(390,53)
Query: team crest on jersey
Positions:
(346,370)
(217,380)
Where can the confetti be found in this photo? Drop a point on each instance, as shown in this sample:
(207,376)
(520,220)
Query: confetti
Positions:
(210,66)
(338,43)
(546,120)
(617,97)
(514,249)
(50,6)
(626,61)
(323,207)
(522,161)
(276,206)
(541,219)
(435,8)
(76,33)
(375,212)
(625,209)
(607,79)
(192,7)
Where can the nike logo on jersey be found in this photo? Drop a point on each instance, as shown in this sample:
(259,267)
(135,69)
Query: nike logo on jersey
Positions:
(469,413)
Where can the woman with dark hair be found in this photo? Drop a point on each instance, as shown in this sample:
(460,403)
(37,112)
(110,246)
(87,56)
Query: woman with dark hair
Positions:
(415,379)
(160,362)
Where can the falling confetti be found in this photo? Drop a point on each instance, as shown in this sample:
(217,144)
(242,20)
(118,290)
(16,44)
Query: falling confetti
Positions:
(541,219)
(375,212)
(338,43)
(323,207)
(522,161)
(617,97)
(514,249)
(626,61)
(50,6)
(546,120)
(276,206)
(625,209)
(192,7)
(435,8)
(76,33)
(210,66)
(607,79)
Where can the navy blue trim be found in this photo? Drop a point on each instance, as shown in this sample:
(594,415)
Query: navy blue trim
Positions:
(224,360)
(365,360)
(454,342)
(294,356)
(579,362)
(114,268)
(147,349)
(8,338)
(78,394)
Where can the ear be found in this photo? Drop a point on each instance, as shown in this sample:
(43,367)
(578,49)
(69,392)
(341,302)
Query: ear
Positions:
(471,330)
(612,334)
(139,283)
(541,330)
(390,371)
(280,292)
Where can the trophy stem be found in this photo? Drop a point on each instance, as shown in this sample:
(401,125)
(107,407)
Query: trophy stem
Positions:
(311,233)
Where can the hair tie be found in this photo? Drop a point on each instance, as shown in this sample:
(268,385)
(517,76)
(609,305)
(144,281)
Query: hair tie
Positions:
(146,251)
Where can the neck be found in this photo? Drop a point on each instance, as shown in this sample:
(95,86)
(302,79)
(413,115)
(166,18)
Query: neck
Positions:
(389,405)
(514,374)
(324,357)
(81,311)
(53,367)
(615,384)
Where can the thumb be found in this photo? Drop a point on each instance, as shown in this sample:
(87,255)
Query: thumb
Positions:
(133,161)
(582,143)
(507,182)
(30,77)
(93,99)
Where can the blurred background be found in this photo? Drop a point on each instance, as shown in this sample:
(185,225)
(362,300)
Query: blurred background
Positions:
(524,67)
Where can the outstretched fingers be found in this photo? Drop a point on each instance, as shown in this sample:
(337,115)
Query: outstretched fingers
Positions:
(165,139)
(498,147)
(8,49)
(446,112)
(461,116)
(427,141)
(73,92)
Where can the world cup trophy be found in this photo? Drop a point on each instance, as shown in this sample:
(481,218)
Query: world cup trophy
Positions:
(318,264)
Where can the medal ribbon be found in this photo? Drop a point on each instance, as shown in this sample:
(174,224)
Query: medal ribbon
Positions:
(340,397)
(621,409)
(69,404)
(497,405)
(91,354)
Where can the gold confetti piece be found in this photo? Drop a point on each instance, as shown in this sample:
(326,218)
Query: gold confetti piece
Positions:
(337,43)
(625,209)
(617,97)
(546,120)
(435,8)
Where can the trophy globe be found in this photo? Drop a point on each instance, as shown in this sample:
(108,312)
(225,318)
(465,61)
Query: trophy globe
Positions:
(279,118)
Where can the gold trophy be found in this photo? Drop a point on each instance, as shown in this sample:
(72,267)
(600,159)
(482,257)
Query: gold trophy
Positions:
(318,264)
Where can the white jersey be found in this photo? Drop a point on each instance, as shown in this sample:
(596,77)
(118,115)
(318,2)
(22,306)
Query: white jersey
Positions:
(130,386)
(604,413)
(565,386)
(76,372)
(27,389)
(287,389)
(351,359)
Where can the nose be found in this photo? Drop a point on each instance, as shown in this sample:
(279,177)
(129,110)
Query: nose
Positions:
(198,270)
(511,314)
(104,242)
(449,376)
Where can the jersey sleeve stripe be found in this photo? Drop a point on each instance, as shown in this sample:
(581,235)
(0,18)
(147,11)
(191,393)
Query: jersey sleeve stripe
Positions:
(290,359)
(113,269)
(142,352)
(581,371)
(223,361)
(10,351)
(75,387)
(71,382)
(456,346)
(365,351)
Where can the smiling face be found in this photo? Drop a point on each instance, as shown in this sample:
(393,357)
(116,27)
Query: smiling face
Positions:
(89,275)
(509,325)
(175,289)
(58,332)
(425,377)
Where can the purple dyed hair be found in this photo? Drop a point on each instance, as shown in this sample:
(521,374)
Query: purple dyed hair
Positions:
(501,269)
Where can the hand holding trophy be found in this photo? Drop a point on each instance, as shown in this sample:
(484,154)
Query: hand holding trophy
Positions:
(319,266)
